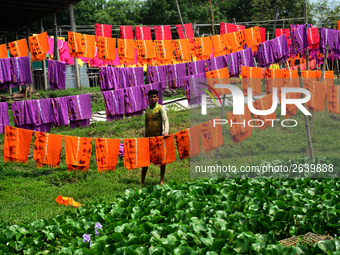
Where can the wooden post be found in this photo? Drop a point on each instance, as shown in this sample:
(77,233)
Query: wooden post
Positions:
(73,29)
(212,19)
(308,135)
(44,61)
(16,38)
(283,24)
(307,50)
(180,16)
(268,36)
(55,33)
(30,57)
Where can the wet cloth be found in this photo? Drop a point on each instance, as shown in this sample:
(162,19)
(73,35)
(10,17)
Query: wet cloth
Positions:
(20,71)
(18,110)
(79,108)
(47,149)
(18,48)
(265,54)
(163,33)
(103,30)
(106,48)
(39,115)
(203,47)
(60,111)
(299,39)
(17,144)
(251,77)
(78,153)
(126,50)
(136,153)
(145,49)
(76,44)
(274,78)
(215,63)
(114,104)
(192,85)
(157,74)
(143,33)
(252,36)
(135,76)
(234,67)
(181,49)
(245,57)
(183,143)
(196,67)
(318,95)
(3,51)
(218,44)
(175,73)
(236,40)
(107,151)
(133,101)
(126,32)
(5,72)
(164,52)
(333,98)
(56,74)
(219,76)
(4,119)
(195,144)
(188,30)
(280,49)
(38,46)
(238,125)
(211,136)
(108,78)
(162,150)
(264,103)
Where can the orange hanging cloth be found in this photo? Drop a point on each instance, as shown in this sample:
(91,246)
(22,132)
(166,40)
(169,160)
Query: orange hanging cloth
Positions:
(136,153)
(3,51)
(38,46)
(106,48)
(181,49)
(195,143)
(126,51)
(67,201)
(47,149)
(18,48)
(251,77)
(163,51)
(333,98)
(75,44)
(17,144)
(78,152)
(290,76)
(227,46)
(211,136)
(318,95)
(219,76)
(291,109)
(89,46)
(240,125)
(265,103)
(107,151)
(218,45)
(252,37)
(338,24)
(183,143)
(274,78)
(145,49)
(162,150)
(203,47)
(236,40)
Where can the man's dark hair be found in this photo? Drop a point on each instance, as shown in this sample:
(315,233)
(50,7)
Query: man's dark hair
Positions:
(153,92)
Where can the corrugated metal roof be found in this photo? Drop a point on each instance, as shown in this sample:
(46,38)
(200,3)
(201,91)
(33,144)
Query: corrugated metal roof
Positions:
(17,14)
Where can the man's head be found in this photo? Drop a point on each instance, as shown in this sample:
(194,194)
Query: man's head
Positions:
(153,96)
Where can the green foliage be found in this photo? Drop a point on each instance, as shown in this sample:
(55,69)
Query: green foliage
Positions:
(215,216)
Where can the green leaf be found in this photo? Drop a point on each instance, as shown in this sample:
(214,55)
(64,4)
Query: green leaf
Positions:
(200,227)
(241,243)
(66,250)
(183,250)
(289,251)
(9,233)
(118,236)
(326,245)
(147,226)
(301,249)
(258,246)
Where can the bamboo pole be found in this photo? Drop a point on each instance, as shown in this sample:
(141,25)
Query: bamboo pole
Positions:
(55,33)
(180,16)
(44,61)
(308,135)
(73,29)
(17,38)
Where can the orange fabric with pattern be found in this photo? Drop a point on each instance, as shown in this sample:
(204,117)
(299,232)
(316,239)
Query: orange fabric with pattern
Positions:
(195,144)
(236,41)
(162,150)
(242,130)
(164,52)
(136,153)
(89,46)
(18,48)
(17,144)
(126,50)
(211,136)
(106,48)
(251,77)
(3,51)
(290,76)
(76,44)
(252,36)
(264,103)
(183,143)
(274,78)
(333,98)
(145,49)
(181,49)
(107,151)
(318,95)
(202,47)
(218,45)
(219,76)
(38,46)
(291,109)
(47,149)
(78,153)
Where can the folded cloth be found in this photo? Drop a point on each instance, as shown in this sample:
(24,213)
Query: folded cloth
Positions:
(67,201)
(218,44)
(39,114)
(195,144)
(286,32)
(38,46)
(234,67)
(108,78)
(106,48)
(251,77)
(299,39)
(18,110)
(318,95)
(193,83)
(107,151)
(181,49)
(164,51)
(79,108)
(333,98)
(18,48)
(265,54)
(133,100)
(203,47)
(252,36)
(78,152)
(264,103)
(3,51)
(135,76)
(211,136)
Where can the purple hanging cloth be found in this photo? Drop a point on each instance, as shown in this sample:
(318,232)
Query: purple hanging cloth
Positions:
(192,85)
(25,70)
(174,74)
(4,119)
(39,115)
(280,49)
(133,100)
(135,76)
(299,39)
(245,57)
(108,78)
(215,63)
(157,74)
(265,54)
(196,67)
(60,111)
(114,104)
(18,110)
(79,108)
(234,69)
(6,72)
(56,74)
(122,77)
